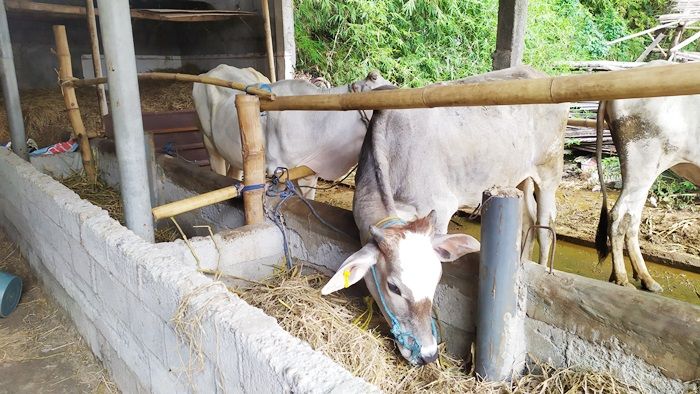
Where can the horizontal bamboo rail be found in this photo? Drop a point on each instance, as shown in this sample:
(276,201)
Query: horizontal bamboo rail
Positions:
(666,80)
(214,197)
(195,202)
(179,78)
(583,123)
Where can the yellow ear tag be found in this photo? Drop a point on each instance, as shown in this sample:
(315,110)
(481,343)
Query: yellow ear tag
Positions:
(346,275)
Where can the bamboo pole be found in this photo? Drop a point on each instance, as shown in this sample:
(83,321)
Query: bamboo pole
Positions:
(179,78)
(96,62)
(583,122)
(189,204)
(268,41)
(248,108)
(666,80)
(65,72)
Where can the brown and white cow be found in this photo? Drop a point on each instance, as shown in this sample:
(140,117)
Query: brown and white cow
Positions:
(328,142)
(651,135)
(417,167)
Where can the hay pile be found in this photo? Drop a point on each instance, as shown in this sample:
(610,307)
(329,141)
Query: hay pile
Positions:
(109,199)
(47,123)
(331,325)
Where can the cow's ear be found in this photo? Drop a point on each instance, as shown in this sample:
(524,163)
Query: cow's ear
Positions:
(450,247)
(353,269)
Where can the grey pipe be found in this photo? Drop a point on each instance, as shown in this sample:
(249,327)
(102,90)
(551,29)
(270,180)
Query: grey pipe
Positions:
(500,346)
(125,105)
(10,90)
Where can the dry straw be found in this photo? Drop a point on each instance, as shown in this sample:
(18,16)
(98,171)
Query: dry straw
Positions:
(109,199)
(331,325)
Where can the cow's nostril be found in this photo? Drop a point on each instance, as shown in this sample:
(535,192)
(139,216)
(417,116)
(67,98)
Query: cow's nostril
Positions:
(429,359)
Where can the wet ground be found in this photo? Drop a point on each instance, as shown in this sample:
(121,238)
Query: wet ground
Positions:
(667,233)
(40,349)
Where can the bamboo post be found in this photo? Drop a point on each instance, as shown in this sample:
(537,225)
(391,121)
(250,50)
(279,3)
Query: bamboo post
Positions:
(96,61)
(268,41)
(65,72)
(248,108)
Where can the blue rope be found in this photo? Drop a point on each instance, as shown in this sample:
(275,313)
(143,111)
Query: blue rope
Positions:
(263,86)
(250,188)
(404,338)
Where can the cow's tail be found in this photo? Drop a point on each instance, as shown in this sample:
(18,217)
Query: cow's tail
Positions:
(601,236)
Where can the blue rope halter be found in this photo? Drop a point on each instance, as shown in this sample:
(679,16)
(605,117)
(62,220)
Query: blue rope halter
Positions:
(403,337)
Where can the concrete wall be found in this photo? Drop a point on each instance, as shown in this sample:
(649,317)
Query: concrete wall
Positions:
(123,295)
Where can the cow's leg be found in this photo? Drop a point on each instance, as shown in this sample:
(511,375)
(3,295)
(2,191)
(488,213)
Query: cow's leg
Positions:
(307,186)
(546,215)
(216,161)
(529,213)
(235,173)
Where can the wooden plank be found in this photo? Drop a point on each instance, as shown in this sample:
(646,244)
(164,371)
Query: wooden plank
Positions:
(641,33)
(651,46)
(660,331)
(685,42)
(62,10)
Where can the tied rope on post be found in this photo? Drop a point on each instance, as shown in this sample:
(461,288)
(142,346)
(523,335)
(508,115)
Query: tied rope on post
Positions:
(284,190)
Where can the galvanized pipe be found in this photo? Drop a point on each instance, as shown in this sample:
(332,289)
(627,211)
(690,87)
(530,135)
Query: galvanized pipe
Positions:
(9,89)
(125,105)
(500,340)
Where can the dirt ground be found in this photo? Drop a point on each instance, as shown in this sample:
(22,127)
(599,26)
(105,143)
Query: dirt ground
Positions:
(40,349)
(666,233)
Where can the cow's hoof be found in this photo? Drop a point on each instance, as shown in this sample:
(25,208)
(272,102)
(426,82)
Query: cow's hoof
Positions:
(652,286)
(623,281)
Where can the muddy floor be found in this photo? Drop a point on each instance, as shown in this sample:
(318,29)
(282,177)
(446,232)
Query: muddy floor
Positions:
(40,349)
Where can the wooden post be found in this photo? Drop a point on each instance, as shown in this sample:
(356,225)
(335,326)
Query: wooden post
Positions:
(96,62)
(510,38)
(677,34)
(248,108)
(654,43)
(65,72)
(268,41)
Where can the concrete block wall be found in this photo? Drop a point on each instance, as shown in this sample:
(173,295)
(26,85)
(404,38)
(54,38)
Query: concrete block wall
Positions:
(156,322)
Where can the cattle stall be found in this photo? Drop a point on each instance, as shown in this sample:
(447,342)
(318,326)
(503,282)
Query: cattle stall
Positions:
(566,319)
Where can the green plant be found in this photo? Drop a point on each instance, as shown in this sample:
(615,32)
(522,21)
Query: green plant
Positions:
(611,168)
(674,191)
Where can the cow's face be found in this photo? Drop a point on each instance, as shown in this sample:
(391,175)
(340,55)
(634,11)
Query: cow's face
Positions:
(374,80)
(402,269)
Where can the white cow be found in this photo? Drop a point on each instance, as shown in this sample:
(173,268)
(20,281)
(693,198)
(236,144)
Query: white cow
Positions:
(328,142)
(417,167)
(651,135)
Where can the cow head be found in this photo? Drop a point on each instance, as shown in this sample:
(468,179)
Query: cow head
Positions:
(374,80)
(402,268)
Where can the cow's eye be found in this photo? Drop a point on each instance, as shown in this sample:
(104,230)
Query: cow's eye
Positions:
(393,288)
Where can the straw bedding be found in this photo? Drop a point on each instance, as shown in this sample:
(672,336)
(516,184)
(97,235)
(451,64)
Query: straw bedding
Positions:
(109,199)
(339,326)
(45,116)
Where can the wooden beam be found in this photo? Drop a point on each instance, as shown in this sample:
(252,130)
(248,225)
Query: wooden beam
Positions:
(655,42)
(666,80)
(195,202)
(152,14)
(96,59)
(179,78)
(510,36)
(685,42)
(65,72)
(268,41)
(643,32)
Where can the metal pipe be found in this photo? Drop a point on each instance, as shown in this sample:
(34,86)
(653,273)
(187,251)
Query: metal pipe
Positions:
(125,106)
(500,341)
(9,89)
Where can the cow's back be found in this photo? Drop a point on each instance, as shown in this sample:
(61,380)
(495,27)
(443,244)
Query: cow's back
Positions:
(455,153)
